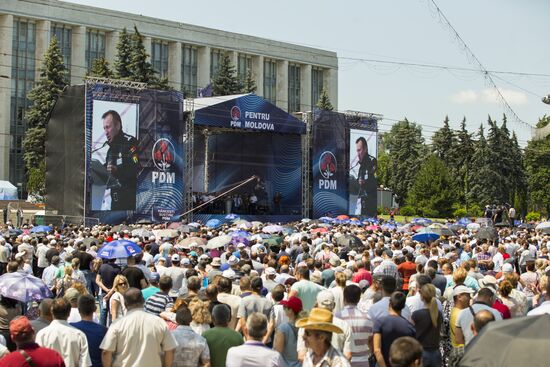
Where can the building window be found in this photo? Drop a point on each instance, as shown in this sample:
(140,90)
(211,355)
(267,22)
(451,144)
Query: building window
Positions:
(63,35)
(189,70)
(244,65)
(159,57)
(22,80)
(215,59)
(95,47)
(316,85)
(293,87)
(270,80)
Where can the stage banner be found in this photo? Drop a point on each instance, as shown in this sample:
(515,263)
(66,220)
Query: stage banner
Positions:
(362,166)
(330,189)
(135,154)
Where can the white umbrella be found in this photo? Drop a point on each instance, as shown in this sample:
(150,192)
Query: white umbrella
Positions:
(473,226)
(219,241)
(544,227)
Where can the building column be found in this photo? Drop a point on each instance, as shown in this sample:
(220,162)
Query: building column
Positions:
(203,66)
(6,38)
(147,44)
(258,73)
(43,34)
(305,88)
(330,79)
(233,57)
(78,55)
(111,40)
(174,65)
(282,84)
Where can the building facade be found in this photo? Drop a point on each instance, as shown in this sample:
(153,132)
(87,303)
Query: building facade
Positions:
(288,75)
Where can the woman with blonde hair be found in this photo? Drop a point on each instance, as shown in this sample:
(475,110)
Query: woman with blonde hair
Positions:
(66,281)
(201,317)
(505,289)
(427,323)
(116,302)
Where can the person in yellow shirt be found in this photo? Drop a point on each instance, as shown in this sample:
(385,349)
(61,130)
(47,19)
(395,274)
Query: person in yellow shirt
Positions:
(461,297)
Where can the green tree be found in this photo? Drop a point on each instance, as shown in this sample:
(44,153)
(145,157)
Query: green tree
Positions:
(141,69)
(383,173)
(479,190)
(406,148)
(225,81)
(123,57)
(53,79)
(100,68)
(537,162)
(432,191)
(444,142)
(324,101)
(464,157)
(249,84)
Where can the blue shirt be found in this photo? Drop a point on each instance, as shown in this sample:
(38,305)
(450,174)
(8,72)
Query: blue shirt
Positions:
(94,334)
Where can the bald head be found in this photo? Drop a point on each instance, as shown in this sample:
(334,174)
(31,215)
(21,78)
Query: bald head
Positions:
(481,320)
(133,298)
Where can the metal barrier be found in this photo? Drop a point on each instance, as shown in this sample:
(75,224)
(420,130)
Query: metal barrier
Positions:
(60,220)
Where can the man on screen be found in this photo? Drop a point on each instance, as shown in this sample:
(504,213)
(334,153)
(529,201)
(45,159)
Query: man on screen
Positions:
(121,162)
(365,176)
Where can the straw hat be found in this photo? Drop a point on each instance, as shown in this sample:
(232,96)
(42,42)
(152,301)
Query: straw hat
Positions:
(319,319)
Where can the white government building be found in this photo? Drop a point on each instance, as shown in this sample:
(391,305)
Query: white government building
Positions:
(288,75)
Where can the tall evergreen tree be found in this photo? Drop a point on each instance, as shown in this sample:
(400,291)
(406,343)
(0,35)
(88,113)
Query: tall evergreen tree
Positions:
(100,68)
(407,151)
(432,191)
(537,162)
(518,197)
(123,57)
(479,190)
(249,84)
(443,144)
(53,79)
(464,157)
(225,81)
(499,163)
(140,68)
(324,101)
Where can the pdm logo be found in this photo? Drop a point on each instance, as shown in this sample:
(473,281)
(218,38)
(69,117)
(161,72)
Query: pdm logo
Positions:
(163,158)
(235,117)
(327,168)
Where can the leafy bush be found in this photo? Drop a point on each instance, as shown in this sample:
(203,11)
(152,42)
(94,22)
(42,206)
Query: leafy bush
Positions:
(532,216)
(429,213)
(475,211)
(460,212)
(379,210)
(407,210)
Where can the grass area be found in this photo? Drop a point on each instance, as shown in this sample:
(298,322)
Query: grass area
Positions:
(407,219)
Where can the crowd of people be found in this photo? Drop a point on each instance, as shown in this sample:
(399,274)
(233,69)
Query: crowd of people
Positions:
(324,295)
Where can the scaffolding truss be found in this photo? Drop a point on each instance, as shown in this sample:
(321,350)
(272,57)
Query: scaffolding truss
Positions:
(188,142)
(307,118)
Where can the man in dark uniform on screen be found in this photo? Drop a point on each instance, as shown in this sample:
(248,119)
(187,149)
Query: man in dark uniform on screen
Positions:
(121,162)
(365,176)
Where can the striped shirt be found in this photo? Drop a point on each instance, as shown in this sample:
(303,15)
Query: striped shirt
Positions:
(361,330)
(157,303)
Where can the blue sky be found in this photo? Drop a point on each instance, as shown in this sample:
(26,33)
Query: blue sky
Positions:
(505,35)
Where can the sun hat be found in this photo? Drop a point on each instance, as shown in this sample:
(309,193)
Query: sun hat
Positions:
(233,260)
(326,298)
(216,262)
(487,281)
(270,271)
(294,303)
(319,319)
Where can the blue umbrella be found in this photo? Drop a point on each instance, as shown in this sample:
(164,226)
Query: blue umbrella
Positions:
(240,233)
(23,287)
(12,232)
(39,229)
(231,216)
(425,235)
(213,223)
(272,229)
(326,219)
(421,221)
(119,249)
(236,240)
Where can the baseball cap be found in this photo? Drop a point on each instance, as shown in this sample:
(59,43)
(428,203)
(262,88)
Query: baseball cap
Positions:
(352,253)
(155,277)
(175,258)
(461,289)
(233,260)
(294,303)
(507,268)
(325,299)
(229,273)
(185,261)
(21,327)
(204,257)
(162,258)
(270,271)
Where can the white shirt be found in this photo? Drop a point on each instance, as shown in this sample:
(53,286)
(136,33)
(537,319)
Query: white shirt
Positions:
(75,316)
(41,255)
(70,342)
(415,303)
(253,354)
(48,276)
(381,308)
(498,260)
(541,310)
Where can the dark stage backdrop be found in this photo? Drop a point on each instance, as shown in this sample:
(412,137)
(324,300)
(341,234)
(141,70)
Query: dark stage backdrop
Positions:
(234,157)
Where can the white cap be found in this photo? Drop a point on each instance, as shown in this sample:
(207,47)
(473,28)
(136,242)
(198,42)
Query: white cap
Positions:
(175,257)
(507,268)
(462,289)
(233,260)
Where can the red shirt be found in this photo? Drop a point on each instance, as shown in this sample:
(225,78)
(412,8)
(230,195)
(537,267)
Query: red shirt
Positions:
(41,357)
(406,269)
(362,274)
(503,309)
